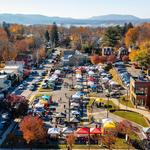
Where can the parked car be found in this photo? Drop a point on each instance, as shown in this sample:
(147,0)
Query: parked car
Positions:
(21,87)
(32,88)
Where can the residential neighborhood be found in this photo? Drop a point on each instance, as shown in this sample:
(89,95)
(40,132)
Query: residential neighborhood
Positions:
(75,87)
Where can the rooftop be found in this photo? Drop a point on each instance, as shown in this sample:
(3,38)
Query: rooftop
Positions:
(3,76)
(11,67)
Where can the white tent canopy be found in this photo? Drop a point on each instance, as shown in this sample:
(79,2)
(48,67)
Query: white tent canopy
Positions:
(67,130)
(78,76)
(39,105)
(91,73)
(107,120)
(57,72)
(75,96)
(54,131)
(75,104)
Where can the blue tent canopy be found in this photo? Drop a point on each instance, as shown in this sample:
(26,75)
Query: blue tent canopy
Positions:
(93,86)
(80,93)
(46,97)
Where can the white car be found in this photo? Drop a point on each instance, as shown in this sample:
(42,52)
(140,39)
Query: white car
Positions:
(21,87)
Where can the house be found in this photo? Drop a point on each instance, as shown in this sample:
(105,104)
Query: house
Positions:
(71,58)
(14,68)
(122,52)
(140,91)
(26,58)
(106,51)
(5,84)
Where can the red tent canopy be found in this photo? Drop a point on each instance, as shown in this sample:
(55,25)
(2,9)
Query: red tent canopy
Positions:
(95,131)
(90,79)
(83,131)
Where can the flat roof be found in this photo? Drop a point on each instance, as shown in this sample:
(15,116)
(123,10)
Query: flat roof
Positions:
(3,76)
(11,67)
(7,71)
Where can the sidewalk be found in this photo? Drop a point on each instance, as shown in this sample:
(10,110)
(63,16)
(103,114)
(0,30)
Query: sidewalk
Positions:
(7,132)
(142,112)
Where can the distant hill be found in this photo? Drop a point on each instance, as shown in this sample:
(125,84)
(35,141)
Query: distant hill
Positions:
(115,17)
(106,20)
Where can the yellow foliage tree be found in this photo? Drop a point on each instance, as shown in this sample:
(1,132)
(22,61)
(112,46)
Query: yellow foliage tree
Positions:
(133,55)
(131,36)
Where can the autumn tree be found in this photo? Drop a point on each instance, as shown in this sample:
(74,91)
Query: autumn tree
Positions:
(133,55)
(42,52)
(109,138)
(21,45)
(3,35)
(5,52)
(143,57)
(95,59)
(17,104)
(102,59)
(70,139)
(33,129)
(30,42)
(3,44)
(16,29)
(126,128)
(112,58)
(125,58)
(66,42)
(131,37)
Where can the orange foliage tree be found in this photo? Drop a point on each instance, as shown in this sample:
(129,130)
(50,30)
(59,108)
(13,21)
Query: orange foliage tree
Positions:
(33,129)
(3,35)
(131,36)
(102,59)
(112,58)
(21,45)
(125,58)
(95,59)
(16,28)
(109,138)
(70,139)
(42,52)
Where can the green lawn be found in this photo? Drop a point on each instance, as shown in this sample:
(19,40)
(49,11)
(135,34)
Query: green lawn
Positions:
(132,116)
(114,106)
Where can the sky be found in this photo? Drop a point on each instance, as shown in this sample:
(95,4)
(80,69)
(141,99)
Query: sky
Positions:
(77,8)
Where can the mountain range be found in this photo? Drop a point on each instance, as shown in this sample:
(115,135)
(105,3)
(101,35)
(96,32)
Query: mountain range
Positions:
(105,20)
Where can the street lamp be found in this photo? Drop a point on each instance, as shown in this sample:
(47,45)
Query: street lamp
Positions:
(69,98)
(108,96)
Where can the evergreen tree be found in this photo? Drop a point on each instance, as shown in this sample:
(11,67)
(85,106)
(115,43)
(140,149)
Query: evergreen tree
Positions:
(126,27)
(54,35)
(47,36)
(6,28)
(112,36)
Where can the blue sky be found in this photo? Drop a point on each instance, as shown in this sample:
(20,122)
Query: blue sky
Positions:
(77,8)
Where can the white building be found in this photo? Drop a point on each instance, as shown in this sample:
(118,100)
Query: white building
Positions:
(107,51)
(4,83)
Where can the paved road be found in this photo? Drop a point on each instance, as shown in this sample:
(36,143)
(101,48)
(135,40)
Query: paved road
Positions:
(100,114)
(145,113)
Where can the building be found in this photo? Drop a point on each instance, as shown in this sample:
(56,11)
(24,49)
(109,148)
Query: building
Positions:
(74,58)
(14,68)
(122,52)
(5,84)
(106,51)
(140,91)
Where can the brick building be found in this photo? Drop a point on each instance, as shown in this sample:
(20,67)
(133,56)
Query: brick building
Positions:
(140,91)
